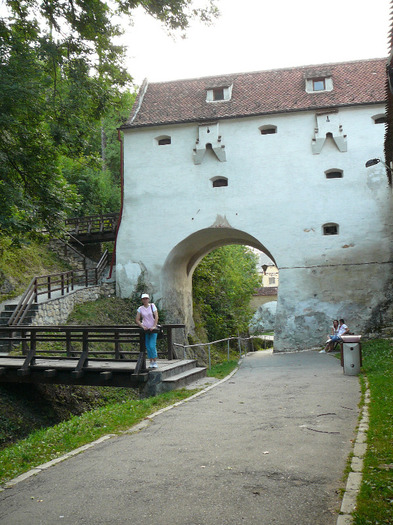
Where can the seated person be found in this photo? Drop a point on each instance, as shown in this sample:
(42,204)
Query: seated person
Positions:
(338,331)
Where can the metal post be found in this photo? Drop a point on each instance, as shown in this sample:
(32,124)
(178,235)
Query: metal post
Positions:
(210,361)
(228,349)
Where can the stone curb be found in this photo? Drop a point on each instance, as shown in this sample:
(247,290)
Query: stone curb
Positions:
(348,504)
(136,428)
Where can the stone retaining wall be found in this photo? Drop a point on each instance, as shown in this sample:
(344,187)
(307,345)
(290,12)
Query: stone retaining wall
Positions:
(56,311)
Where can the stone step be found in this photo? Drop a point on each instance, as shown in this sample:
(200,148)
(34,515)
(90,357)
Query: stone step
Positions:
(183,366)
(11,307)
(183,378)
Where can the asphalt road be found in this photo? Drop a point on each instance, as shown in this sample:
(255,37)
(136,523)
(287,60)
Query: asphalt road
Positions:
(267,446)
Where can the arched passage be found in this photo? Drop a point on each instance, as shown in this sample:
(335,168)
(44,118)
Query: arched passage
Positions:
(185,256)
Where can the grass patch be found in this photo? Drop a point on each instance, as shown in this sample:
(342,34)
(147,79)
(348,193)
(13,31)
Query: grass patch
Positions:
(47,444)
(375,499)
(105,311)
(19,264)
(221,370)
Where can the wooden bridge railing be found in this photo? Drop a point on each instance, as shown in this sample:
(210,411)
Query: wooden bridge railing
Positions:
(81,342)
(92,224)
(63,282)
(62,345)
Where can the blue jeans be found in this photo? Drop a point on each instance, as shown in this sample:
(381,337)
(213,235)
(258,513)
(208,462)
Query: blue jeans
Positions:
(335,338)
(150,342)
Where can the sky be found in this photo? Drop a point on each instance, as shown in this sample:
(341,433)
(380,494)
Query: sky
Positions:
(254,35)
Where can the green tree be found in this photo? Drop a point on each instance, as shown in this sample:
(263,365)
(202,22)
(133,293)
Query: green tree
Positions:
(96,176)
(223,284)
(60,75)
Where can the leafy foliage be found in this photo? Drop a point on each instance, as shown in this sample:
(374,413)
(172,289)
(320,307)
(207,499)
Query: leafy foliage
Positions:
(64,86)
(223,284)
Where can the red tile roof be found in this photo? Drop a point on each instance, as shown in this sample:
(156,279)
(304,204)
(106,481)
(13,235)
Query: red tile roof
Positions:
(259,93)
(266,290)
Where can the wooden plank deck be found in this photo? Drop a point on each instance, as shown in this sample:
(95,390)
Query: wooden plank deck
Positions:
(96,372)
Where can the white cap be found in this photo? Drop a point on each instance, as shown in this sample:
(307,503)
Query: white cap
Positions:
(145,296)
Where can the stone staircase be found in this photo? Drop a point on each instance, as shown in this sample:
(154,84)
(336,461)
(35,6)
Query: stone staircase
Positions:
(9,309)
(69,254)
(172,375)
(5,317)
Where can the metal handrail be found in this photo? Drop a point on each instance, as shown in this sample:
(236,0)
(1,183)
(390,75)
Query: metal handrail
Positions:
(228,339)
(68,246)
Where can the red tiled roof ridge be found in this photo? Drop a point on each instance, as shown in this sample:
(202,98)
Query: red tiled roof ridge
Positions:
(259,93)
(271,70)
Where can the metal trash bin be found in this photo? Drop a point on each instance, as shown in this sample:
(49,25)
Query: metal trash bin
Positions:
(351,354)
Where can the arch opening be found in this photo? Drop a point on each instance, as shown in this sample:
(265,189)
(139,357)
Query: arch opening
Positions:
(184,258)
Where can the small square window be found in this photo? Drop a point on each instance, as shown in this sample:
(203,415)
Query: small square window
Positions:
(268,130)
(318,84)
(334,174)
(220,182)
(330,229)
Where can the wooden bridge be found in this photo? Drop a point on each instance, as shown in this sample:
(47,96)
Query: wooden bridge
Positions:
(86,355)
(93,228)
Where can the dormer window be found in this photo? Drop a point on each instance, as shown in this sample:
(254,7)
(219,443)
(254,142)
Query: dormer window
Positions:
(219,94)
(318,81)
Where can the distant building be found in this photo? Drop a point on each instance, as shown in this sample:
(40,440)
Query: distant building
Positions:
(263,295)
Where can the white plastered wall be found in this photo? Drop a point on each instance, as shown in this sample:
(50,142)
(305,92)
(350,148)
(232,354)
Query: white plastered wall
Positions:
(277,200)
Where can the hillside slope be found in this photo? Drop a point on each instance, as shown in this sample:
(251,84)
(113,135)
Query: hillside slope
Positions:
(24,408)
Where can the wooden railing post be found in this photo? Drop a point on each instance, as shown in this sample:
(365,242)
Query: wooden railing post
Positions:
(84,358)
(24,342)
(35,288)
(117,345)
(68,343)
(169,342)
(30,358)
(141,363)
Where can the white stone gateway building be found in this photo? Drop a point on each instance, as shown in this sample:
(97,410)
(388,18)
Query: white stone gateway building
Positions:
(274,160)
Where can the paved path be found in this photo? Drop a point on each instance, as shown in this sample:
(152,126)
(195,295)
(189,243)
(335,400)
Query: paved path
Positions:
(267,446)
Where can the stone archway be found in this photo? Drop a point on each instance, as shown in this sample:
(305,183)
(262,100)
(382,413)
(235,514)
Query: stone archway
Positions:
(181,262)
